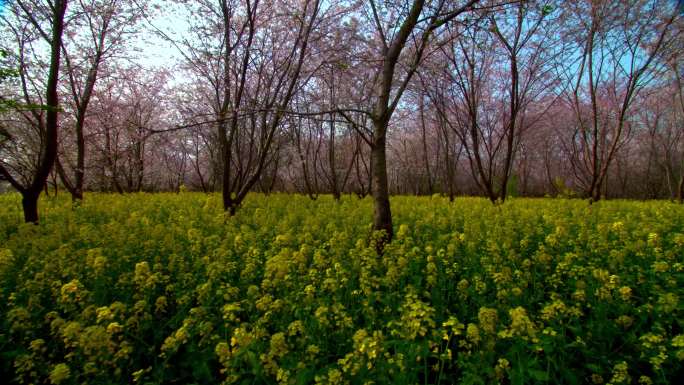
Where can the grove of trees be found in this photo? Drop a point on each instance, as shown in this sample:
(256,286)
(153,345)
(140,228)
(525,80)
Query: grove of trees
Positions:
(497,98)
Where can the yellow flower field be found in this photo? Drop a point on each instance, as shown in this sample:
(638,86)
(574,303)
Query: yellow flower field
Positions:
(163,289)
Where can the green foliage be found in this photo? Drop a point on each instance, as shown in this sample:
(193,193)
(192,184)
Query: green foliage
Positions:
(162,288)
(563,190)
(546,10)
(6,73)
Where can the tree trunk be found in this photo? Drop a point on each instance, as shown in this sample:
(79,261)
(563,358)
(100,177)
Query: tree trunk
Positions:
(77,193)
(29,202)
(426,158)
(514,106)
(232,208)
(680,190)
(596,193)
(331,159)
(331,150)
(382,218)
(449,171)
(274,177)
(447,154)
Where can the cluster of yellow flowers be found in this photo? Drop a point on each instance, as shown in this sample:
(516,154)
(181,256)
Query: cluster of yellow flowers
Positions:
(521,325)
(416,318)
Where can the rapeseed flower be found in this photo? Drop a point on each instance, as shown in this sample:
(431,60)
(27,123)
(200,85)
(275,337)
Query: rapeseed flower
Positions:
(59,373)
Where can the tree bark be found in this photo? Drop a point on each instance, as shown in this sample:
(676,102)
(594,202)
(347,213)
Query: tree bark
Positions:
(29,202)
(382,217)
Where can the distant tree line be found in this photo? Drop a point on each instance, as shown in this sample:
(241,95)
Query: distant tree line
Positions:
(495,98)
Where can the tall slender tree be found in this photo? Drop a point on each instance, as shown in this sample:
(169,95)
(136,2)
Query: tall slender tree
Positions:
(38,16)
(401,34)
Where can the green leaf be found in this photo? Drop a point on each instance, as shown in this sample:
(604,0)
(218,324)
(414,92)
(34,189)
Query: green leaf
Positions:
(538,375)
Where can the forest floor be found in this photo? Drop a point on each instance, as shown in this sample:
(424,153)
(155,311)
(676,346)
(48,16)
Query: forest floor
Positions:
(163,288)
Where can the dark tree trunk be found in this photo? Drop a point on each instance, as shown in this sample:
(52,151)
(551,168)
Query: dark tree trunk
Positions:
(334,183)
(54,184)
(140,161)
(595,193)
(29,202)
(331,150)
(382,218)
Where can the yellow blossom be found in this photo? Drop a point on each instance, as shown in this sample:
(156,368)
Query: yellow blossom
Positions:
(678,341)
(278,345)
(620,374)
(473,333)
(660,266)
(114,327)
(521,325)
(71,291)
(59,373)
(625,293)
(502,366)
(625,321)
(553,310)
(487,318)
(334,376)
